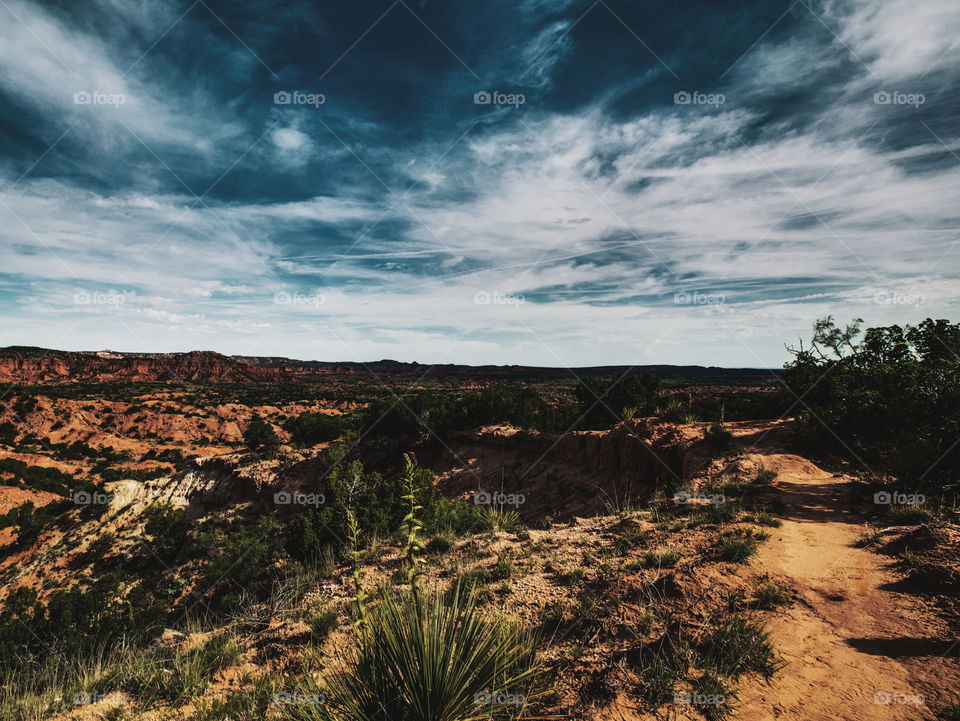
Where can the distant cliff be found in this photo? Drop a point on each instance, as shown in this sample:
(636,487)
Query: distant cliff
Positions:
(20,364)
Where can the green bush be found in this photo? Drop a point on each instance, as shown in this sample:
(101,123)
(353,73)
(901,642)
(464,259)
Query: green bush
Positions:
(8,434)
(718,437)
(43,478)
(657,680)
(907,515)
(661,558)
(261,437)
(322,624)
(421,659)
(603,402)
(242,560)
(736,645)
(768,595)
(309,429)
(171,675)
(29,522)
(737,550)
(167,533)
(892,397)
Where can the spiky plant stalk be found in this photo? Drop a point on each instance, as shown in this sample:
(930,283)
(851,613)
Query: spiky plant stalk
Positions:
(412,525)
(353,538)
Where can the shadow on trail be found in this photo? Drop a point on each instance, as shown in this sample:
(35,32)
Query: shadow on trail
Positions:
(813,502)
(906,646)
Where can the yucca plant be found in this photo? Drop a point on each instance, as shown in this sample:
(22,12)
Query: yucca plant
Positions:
(496,520)
(421,658)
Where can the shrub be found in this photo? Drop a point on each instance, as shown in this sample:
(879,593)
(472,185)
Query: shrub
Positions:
(657,680)
(423,660)
(308,537)
(497,520)
(99,548)
(717,513)
(603,402)
(438,544)
(737,645)
(718,437)
(261,437)
(868,538)
(675,411)
(501,570)
(322,624)
(309,429)
(737,550)
(43,478)
(242,558)
(8,433)
(912,561)
(250,704)
(894,396)
(713,697)
(763,476)
(765,519)
(167,530)
(949,713)
(768,595)
(29,522)
(177,676)
(907,515)
(661,559)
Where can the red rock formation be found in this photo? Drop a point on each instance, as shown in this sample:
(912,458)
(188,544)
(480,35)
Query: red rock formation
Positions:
(36,365)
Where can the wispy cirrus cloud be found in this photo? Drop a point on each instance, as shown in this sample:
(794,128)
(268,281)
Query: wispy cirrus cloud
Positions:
(643,204)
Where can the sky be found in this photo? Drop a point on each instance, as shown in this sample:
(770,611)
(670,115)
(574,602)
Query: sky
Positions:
(543,182)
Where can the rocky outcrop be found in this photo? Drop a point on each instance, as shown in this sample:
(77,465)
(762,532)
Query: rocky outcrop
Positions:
(562,476)
(216,480)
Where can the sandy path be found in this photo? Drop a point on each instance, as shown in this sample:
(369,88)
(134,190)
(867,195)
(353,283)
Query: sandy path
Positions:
(849,641)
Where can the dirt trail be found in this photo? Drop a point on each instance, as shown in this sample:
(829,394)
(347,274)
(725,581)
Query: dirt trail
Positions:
(850,642)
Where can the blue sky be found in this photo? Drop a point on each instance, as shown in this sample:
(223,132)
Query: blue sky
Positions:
(540,182)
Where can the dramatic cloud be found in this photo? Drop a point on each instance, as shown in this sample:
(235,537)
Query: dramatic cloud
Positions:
(554,183)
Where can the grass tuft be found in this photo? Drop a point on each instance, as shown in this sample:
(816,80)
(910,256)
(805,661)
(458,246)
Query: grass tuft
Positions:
(769,595)
(737,645)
